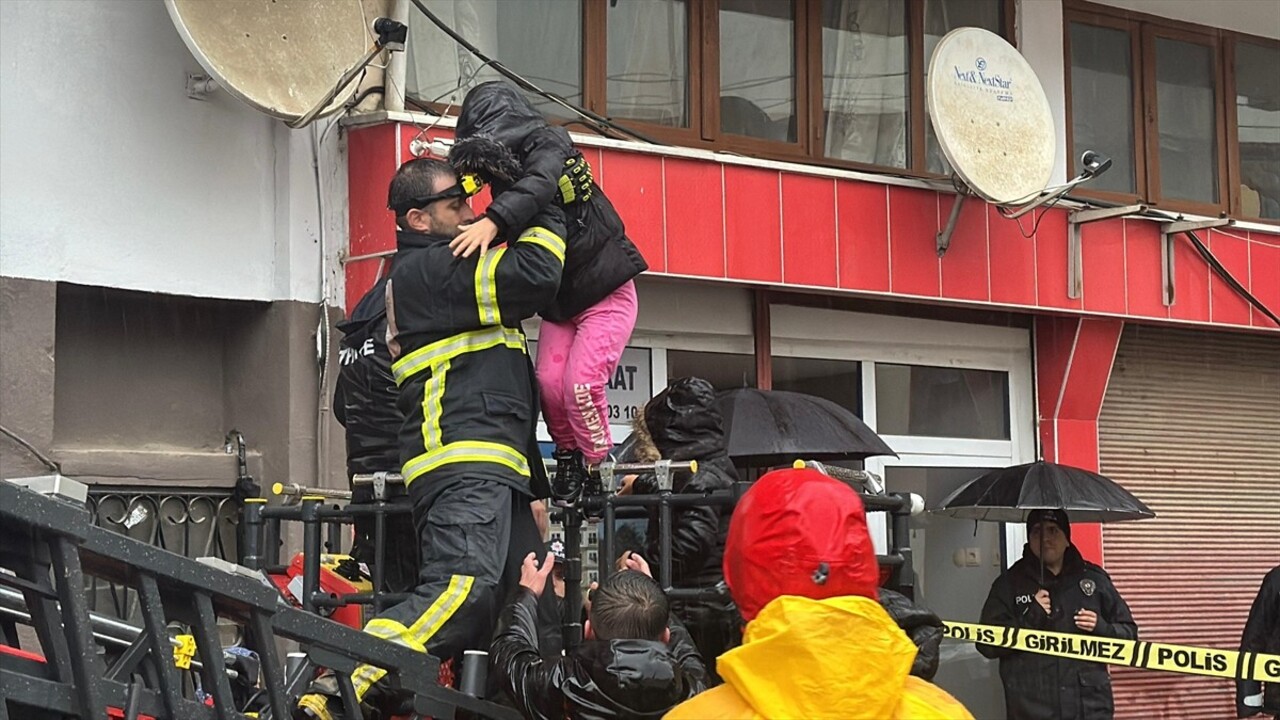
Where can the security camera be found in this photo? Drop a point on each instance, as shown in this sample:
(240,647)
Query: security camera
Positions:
(1093,163)
(391,34)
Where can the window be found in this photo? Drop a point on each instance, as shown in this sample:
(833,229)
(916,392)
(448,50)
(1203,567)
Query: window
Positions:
(942,402)
(1102,99)
(836,380)
(757,69)
(837,82)
(1257,104)
(1186,121)
(1190,116)
(866,92)
(725,371)
(541,39)
(648,61)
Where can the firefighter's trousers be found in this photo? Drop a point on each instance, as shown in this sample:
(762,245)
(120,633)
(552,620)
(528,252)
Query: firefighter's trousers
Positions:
(473,535)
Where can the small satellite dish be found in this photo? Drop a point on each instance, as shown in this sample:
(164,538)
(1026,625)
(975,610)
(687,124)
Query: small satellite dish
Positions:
(991,116)
(281,57)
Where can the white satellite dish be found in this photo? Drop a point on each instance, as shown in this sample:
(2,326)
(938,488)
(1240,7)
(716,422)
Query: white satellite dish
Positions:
(991,116)
(281,57)
(994,125)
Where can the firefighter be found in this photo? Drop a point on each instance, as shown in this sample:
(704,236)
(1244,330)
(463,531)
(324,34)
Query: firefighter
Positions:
(364,402)
(468,449)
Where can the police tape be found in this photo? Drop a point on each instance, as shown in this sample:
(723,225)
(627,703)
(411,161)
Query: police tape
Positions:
(1213,662)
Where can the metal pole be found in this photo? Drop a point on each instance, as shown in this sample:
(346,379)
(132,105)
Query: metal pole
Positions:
(664,541)
(572,578)
(379,553)
(251,551)
(310,550)
(608,553)
(271,533)
(334,528)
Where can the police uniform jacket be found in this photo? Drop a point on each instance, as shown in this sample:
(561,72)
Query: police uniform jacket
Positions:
(467,390)
(1046,687)
(1262,634)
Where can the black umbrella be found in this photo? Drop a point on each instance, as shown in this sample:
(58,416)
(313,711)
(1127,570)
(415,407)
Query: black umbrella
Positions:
(1008,494)
(775,427)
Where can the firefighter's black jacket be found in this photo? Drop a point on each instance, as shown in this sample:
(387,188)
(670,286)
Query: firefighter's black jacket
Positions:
(467,391)
(1262,634)
(364,400)
(1046,687)
(600,257)
(601,680)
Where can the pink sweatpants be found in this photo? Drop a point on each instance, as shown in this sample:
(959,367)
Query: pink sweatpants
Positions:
(575,361)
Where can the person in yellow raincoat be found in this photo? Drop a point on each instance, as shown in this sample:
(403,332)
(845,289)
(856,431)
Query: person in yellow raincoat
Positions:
(800,565)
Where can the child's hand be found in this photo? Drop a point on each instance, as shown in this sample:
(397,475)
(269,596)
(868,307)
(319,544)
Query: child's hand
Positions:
(478,234)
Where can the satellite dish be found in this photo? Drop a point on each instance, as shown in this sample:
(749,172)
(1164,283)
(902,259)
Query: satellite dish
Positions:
(991,116)
(280,57)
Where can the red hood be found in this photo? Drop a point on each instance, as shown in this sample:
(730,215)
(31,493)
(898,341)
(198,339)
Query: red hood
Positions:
(798,532)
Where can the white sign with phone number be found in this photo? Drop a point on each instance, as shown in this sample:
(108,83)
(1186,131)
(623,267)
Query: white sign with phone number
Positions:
(630,386)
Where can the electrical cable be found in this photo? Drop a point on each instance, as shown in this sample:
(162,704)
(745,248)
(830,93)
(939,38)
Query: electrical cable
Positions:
(597,122)
(50,464)
(364,94)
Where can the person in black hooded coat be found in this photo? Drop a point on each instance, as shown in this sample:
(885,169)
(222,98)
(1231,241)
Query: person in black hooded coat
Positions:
(683,424)
(530,165)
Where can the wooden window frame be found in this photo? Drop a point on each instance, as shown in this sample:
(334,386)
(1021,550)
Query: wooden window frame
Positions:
(1143,30)
(1135,90)
(1150,35)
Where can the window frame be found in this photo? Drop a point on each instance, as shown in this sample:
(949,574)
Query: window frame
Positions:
(1135,90)
(1143,30)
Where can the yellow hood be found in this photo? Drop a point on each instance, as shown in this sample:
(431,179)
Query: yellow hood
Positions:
(798,650)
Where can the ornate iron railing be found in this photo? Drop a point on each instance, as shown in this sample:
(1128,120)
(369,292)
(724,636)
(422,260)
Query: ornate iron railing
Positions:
(194,522)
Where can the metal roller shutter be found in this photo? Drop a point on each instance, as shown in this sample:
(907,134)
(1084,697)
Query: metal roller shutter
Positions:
(1191,424)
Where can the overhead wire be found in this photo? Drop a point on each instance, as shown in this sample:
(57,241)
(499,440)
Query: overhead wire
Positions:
(596,122)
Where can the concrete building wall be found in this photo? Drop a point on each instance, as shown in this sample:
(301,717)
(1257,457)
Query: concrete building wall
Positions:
(113,177)
(168,266)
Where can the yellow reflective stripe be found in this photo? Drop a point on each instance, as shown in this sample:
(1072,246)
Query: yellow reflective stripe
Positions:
(487,287)
(544,238)
(317,705)
(455,345)
(442,609)
(416,636)
(393,631)
(433,406)
(364,677)
(465,451)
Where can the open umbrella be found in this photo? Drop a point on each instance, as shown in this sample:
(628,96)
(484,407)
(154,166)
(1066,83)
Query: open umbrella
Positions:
(1008,494)
(775,427)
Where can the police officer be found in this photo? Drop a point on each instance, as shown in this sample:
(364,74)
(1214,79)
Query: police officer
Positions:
(468,450)
(1053,588)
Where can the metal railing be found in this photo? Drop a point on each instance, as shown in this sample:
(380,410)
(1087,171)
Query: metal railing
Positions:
(190,522)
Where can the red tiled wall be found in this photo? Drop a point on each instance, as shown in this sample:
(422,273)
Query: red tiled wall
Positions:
(703,218)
